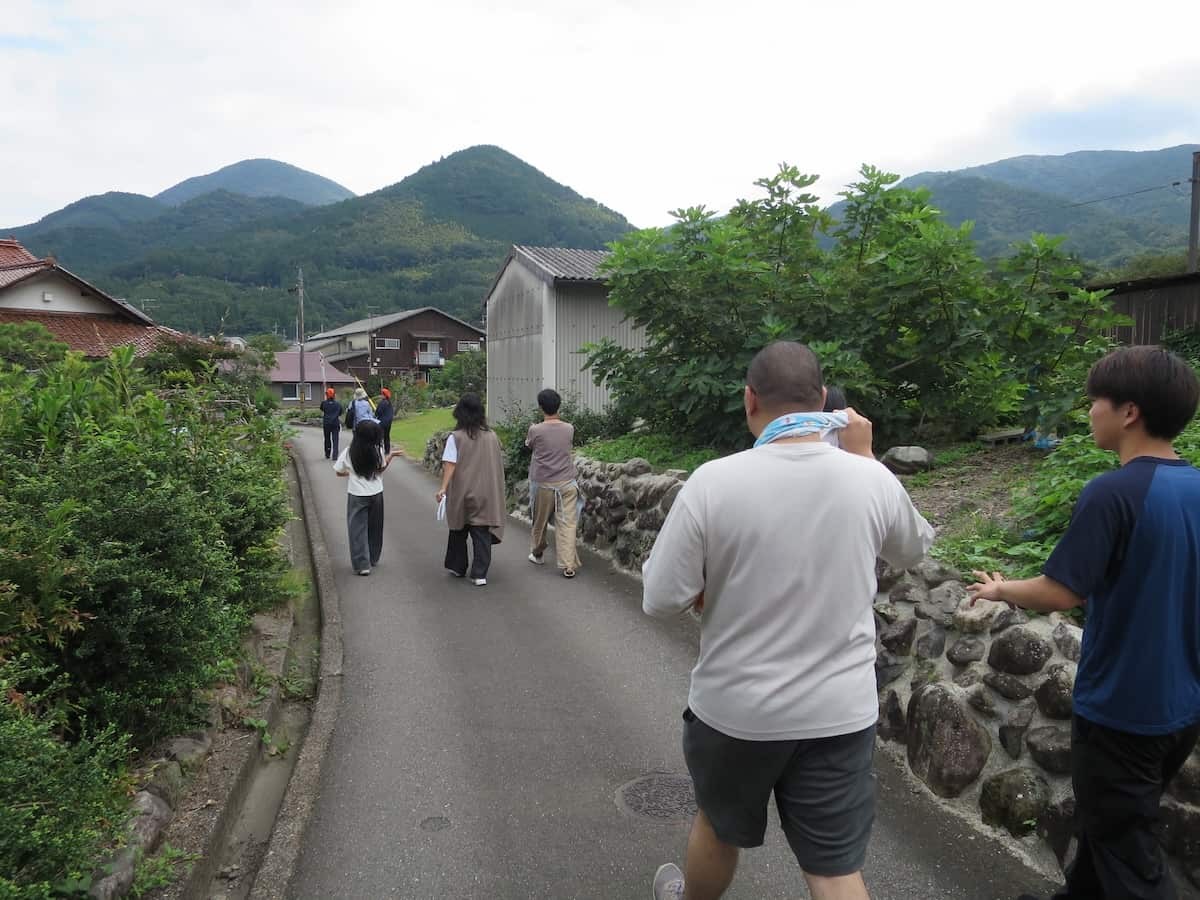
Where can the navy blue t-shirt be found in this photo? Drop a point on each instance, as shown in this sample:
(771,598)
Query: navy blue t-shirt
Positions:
(1133,550)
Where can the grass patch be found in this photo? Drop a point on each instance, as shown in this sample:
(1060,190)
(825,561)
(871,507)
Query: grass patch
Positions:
(660,450)
(943,458)
(412,433)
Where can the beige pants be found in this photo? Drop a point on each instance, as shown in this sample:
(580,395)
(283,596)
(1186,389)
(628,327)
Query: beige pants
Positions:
(558,500)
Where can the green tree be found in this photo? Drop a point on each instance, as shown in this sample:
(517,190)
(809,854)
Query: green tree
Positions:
(901,309)
(29,345)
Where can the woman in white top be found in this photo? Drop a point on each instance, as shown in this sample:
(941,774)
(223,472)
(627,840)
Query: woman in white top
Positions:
(363,462)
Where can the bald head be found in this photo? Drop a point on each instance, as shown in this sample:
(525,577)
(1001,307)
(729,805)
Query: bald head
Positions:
(786,377)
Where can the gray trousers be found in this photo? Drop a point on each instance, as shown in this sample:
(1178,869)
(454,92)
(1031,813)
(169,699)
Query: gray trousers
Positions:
(364,523)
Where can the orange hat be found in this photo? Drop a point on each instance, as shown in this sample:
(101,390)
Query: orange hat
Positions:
(329,393)
(387,393)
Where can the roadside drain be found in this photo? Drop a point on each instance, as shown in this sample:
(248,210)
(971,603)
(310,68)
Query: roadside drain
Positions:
(658,797)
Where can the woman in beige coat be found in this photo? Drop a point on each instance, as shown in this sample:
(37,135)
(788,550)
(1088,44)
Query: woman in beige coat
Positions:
(473,487)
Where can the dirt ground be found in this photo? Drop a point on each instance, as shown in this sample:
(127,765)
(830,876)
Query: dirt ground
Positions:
(978,485)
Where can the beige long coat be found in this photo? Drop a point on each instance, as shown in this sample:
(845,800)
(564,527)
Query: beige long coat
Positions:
(475,495)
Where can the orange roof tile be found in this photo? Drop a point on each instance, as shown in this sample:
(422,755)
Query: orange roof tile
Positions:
(94,335)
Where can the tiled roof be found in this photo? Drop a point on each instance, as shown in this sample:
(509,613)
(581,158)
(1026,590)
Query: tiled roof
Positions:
(377,322)
(17,264)
(11,274)
(12,253)
(563,263)
(287,368)
(95,335)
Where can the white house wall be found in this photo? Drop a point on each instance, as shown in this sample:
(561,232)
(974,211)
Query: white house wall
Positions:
(66,297)
(514,342)
(584,317)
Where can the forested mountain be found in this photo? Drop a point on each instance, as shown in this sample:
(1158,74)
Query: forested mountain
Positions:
(259,178)
(224,260)
(1111,204)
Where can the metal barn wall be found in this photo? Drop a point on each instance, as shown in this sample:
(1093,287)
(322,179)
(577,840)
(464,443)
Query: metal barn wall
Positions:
(584,316)
(514,341)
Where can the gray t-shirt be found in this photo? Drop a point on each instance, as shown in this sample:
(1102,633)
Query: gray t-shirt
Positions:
(782,539)
(552,444)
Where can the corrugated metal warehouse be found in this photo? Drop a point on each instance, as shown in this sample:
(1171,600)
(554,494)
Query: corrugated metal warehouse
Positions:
(545,304)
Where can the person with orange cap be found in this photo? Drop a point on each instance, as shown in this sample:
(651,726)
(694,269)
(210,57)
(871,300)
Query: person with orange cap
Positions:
(331,419)
(384,413)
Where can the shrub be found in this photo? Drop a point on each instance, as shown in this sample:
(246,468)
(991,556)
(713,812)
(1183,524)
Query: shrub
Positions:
(63,802)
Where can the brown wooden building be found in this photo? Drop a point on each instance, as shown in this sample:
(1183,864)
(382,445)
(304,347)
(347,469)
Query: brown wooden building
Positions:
(415,342)
(1157,306)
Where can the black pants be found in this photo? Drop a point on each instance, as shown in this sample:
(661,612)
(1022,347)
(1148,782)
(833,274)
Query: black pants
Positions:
(364,523)
(456,550)
(331,441)
(1119,779)
(387,436)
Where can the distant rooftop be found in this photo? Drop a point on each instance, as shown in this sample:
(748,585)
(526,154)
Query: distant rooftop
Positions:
(377,322)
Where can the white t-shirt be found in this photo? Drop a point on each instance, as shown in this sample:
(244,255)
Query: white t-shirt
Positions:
(782,539)
(359,486)
(450,454)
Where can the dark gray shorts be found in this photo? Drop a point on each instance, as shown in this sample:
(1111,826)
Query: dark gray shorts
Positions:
(824,790)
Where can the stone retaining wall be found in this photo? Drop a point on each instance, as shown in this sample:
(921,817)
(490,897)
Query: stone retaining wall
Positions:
(976,699)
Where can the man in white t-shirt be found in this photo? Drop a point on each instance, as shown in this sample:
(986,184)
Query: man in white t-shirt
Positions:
(776,547)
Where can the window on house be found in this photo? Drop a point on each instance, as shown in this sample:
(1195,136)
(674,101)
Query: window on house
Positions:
(291,391)
(468,345)
(387,343)
(429,346)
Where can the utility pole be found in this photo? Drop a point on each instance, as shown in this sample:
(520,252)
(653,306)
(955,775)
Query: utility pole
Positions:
(300,293)
(1193,263)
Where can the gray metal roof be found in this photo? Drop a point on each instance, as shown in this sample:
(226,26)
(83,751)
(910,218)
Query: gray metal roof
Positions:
(554,264)
(563,263)
(374,323)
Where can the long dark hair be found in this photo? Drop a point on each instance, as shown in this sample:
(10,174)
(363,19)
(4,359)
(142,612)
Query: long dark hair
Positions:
(366,455)
(470,416)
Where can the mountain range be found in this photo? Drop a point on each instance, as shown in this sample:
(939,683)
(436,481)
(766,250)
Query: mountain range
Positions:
(222,259)
(217,252)
(1111,204)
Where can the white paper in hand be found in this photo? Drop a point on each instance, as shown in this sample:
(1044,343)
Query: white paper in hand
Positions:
(441,510)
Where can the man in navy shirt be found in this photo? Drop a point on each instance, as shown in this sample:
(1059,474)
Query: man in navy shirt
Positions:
(1131,558)
(331,421)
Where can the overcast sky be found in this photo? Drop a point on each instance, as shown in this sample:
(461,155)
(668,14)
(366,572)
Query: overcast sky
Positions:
(644,105)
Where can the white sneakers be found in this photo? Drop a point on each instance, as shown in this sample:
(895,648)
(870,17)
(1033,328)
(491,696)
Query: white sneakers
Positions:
(536,560)
(479,582)
(668,883)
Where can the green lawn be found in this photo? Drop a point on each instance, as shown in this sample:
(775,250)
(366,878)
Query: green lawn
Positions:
(413,432)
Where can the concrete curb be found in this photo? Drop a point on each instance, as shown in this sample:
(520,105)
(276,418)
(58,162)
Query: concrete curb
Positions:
(299,802)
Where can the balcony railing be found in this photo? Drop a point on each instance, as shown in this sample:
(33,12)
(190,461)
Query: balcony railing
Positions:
(430,359)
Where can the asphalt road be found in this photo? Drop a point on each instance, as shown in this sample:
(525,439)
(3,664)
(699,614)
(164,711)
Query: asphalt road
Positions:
(485,732)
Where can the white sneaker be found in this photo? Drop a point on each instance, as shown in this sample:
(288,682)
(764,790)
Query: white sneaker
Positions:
(536,560)
(668,883)
(479,582)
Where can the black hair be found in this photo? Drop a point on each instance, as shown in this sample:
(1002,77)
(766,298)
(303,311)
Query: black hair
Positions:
(786,376)
(469,414)
(1162,386)
(366,453)
(835,398)
(549,401)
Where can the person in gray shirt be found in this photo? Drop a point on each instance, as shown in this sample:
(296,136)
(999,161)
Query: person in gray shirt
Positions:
(552,486)
(776,547)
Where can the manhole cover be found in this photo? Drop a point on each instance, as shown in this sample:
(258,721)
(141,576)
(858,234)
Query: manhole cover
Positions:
(435,823)
(659,798)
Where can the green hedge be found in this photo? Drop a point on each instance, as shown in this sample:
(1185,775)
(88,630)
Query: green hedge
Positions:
(139,516)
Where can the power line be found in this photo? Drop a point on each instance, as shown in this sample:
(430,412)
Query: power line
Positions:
(1157,187)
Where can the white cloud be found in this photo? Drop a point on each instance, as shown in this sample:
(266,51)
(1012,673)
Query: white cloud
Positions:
(644,106)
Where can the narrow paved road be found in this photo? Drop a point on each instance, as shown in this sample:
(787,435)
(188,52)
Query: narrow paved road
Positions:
(485,732)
